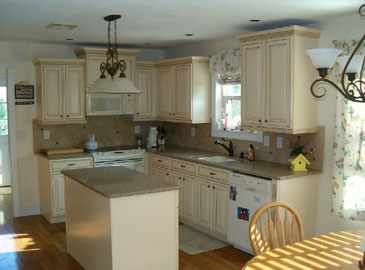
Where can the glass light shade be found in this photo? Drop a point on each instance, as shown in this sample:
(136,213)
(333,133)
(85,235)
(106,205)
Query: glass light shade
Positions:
(323,58)
(116,86)
(355,64)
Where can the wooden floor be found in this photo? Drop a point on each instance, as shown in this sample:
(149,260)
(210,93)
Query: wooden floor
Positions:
(33,243)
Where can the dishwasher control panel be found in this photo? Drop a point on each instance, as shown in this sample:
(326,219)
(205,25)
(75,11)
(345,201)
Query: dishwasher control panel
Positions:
(250,182)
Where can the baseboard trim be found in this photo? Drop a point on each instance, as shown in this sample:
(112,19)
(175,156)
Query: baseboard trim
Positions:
(29,212)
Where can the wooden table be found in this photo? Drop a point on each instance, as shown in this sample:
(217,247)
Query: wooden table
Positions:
(339,250)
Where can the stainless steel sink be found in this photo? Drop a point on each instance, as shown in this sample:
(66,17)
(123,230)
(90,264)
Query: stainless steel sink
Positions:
(216,159)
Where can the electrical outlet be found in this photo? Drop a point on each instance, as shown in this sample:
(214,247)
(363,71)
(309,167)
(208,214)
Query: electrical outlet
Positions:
(137,129)
(279,142)
(192,131)
(266,140)
(46,134)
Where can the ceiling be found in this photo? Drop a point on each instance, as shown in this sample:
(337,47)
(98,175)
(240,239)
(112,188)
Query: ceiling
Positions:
(161,23)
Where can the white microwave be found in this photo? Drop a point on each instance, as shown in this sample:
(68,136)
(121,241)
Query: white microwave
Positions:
(109,104)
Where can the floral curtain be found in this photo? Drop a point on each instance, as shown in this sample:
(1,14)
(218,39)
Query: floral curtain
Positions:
(348,181)
(226,63)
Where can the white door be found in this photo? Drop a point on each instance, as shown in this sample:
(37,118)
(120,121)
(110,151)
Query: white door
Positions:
(74,93)
(220,208)
(4,139)
(278,88)
(190,206)
(204,203)
(58,194)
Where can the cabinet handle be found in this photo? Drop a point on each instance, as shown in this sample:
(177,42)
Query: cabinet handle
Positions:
(179,178)
(173,113)
(266,121)
(138,113)
(183,178)
(159,160)
(259,120)
(213,187)
(183,166)
(71,164)
(167,174)
(68,115)
(208,185)
(212,173)
(61,115)
(169,113)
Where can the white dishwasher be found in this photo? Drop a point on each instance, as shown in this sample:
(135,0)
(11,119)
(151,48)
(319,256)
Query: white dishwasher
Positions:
(247,194)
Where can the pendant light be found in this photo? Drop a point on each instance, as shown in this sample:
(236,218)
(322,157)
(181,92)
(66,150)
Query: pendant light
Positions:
(111,85)
(352,89)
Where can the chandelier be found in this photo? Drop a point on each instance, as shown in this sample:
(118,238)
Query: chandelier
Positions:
(323,59)
(109,84)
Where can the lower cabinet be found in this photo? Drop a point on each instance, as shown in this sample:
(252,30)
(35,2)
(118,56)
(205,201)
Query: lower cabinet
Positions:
(212,206)
(52,184)
(203,196)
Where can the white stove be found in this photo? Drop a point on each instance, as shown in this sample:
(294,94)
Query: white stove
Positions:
(131,158)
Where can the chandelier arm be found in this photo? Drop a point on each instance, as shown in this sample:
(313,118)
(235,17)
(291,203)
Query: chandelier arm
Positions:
(344,93)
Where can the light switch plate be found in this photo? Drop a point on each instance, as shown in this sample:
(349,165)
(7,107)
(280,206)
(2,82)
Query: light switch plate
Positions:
(266,140)
(46,134)
(279,142)
(137,129)
(192,131)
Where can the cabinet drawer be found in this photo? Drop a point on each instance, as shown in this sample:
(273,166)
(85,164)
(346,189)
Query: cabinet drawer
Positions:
(184,167)
(160,161)
(70,164)
(210,173)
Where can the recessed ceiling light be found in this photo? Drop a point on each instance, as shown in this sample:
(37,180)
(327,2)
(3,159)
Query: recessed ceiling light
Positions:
(147,44)
(255,20)
(61,26)
(189,35)
(69,39)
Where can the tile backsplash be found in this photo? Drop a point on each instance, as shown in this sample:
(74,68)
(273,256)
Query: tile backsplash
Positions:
(108,131)
(180,135)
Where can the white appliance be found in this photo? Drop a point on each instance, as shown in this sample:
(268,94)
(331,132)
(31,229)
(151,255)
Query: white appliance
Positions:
(109,104)
(247,194)
(152,137)
(131,158)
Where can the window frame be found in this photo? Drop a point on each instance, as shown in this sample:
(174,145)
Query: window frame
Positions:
(228,134)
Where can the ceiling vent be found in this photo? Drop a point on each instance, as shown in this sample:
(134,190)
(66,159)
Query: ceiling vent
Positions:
(61,26)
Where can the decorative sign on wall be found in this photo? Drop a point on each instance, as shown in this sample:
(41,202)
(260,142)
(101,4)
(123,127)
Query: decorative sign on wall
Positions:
(24,92)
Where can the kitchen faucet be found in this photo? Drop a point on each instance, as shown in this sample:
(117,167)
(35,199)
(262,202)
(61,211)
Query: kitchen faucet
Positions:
(229,148)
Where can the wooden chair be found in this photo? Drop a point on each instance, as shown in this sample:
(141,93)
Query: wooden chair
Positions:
(261,241)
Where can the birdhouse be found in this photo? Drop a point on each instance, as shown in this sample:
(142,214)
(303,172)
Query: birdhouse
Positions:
(299,163)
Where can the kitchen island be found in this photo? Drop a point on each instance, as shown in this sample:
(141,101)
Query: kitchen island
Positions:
(117,218)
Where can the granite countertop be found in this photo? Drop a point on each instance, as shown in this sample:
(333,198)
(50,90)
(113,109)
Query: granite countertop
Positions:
(114,182)
(258,168)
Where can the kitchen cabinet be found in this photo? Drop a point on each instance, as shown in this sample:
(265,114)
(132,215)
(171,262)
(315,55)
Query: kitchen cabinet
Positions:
(276,80)
(177,178)
(94,57)
(190,196)
(204,203)
(183,90)
(160,173)
(52,185)
(60,91)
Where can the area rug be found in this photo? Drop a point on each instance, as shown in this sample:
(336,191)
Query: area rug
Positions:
(5,190)
(193,242)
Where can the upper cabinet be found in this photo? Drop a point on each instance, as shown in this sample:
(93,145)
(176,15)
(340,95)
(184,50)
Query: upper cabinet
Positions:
(94,57)
(183,90)
(276,80)
(60,91)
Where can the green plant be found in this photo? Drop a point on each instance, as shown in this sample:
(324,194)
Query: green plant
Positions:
(297,148)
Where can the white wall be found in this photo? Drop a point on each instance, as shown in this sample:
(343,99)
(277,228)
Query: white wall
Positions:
(350,27)
(18,56)
(345,27)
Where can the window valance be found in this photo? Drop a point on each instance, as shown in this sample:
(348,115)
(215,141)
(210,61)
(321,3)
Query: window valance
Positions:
(226,63)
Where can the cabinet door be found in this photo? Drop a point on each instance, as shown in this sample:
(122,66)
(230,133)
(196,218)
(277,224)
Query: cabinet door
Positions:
(181,94)
(53,83)
(204,203)
(93,68)
(160,173)
(252,84)
(177,178)
(164,88)
(74,93)
(278,89)
(58,194)
(144,100)
(220,202)
(189,198)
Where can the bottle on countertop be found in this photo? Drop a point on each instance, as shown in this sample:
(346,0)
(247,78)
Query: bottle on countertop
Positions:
(251,153)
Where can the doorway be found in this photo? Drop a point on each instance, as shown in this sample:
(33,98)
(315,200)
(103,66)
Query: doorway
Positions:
(5,182)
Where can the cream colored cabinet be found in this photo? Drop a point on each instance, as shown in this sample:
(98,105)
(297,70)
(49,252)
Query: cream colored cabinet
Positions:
(276,79)
(128,104)
(160,173)
(52,185)
(183,90)
(212,206)
(177,178)
(60,91)
(190,196)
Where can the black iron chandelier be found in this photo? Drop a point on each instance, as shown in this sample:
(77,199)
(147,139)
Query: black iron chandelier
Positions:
(323,59)
(107,84)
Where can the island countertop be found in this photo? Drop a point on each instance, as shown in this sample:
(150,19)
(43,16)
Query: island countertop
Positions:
(114,182)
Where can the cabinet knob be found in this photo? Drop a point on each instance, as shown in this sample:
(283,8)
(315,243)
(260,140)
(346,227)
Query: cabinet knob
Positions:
(266,121)
(173,113)
(213,187)
(68,115)
(259,120)
(212,173)
(169,113)
(208,185)
(138,113)
(61,115)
